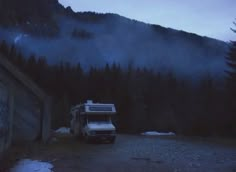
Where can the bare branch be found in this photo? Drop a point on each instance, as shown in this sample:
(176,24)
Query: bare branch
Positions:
(234,30)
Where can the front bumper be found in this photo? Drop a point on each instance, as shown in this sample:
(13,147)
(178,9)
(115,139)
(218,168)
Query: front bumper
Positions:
(102,137)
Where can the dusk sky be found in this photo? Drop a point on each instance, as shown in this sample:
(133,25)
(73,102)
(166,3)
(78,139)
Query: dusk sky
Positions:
(212,18)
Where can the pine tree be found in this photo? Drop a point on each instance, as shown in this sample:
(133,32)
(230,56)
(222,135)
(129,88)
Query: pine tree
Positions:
(231,72)
(231,83)
(231,62)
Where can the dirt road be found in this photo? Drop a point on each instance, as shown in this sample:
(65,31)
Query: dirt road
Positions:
(132,153)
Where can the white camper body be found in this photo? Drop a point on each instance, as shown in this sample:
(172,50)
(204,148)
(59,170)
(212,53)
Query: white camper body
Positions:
(93,121)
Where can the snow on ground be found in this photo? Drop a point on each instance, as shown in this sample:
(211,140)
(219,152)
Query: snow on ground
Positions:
(155,133)
(27,165)
(63,130)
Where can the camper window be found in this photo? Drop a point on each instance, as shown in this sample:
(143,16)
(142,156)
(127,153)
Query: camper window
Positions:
(98,118)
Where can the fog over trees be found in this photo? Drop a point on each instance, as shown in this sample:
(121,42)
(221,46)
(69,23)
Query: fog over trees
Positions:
(145,99)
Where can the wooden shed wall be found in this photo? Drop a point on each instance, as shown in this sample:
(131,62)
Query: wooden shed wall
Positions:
(27,116)
(24,109)
(4,117)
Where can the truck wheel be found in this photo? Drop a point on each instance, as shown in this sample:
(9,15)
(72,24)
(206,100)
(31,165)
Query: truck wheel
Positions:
(71,131)
(112,140)
(80,136)
(87,140)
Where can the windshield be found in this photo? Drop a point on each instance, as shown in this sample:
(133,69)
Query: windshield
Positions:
(98,118)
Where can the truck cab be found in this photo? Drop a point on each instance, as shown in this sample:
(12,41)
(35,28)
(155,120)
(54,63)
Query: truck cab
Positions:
(93,121)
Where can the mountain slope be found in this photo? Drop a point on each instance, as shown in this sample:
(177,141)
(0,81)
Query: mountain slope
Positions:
(97,39)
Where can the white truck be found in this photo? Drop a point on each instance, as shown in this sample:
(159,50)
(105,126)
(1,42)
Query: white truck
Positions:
(93,121)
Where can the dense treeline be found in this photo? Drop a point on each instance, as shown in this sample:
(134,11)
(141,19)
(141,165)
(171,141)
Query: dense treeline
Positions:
(32,16)
(38,17)
(86,17)
(24,10)
(145,100)
(81,34)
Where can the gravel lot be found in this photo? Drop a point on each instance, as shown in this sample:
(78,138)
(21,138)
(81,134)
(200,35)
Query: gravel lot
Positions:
(136,153)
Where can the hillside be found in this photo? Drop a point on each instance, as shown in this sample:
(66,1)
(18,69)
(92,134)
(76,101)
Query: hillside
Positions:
(60,34)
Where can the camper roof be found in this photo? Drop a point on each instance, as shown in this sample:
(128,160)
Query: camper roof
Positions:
(96,108)
(100,108)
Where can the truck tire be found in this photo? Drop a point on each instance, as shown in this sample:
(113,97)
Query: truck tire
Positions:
(71,131)
(112,140)
(87,139)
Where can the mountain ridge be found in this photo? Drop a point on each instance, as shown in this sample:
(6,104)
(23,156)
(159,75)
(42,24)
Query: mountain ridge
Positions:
(94,39)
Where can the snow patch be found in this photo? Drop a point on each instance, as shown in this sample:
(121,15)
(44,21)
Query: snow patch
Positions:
(27,165)
(155,133)
(19,37)
(63,130)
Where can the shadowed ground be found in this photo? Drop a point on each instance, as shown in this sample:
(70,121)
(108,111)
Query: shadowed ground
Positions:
(133,153)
